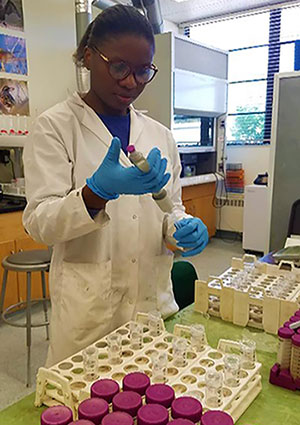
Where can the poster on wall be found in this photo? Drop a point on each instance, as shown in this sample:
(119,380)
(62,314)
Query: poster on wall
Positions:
(13,55)
(11,14)
(14,97)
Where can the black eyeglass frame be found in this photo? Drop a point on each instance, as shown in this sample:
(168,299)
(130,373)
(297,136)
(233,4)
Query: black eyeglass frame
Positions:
(131,69)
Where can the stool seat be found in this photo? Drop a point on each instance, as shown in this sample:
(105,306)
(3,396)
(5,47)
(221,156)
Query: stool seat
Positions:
(30,258)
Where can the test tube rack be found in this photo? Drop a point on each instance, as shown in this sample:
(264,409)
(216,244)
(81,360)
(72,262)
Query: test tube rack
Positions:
(64,383)
(255,304)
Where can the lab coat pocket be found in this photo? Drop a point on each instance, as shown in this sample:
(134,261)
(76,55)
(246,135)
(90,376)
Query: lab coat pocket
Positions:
(86,295)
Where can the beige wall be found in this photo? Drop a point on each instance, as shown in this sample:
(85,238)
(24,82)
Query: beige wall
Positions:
(255,159)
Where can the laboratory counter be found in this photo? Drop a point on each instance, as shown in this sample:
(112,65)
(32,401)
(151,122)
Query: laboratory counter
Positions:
(273,406)
(9,203)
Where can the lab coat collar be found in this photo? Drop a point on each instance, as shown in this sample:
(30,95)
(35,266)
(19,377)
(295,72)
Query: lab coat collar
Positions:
(92,122)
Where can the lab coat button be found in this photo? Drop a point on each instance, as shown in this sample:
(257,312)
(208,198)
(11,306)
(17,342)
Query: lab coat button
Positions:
(134,216)
(133,260)
(130,301)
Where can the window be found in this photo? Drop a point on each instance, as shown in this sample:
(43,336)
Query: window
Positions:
(259,44)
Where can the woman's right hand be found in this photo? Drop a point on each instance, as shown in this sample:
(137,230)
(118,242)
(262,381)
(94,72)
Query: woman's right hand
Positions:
(111,179)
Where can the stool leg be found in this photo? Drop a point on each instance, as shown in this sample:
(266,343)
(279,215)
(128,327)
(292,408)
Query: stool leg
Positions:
(28,326)
(45,302)
(4,280)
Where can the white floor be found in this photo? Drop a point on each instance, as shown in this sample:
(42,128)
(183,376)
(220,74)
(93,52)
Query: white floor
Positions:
(214,259)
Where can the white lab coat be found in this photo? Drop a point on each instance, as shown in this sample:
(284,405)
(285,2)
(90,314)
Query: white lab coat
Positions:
(103,270)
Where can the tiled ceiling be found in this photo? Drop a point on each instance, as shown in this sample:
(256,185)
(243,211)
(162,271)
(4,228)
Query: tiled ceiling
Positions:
(179,11)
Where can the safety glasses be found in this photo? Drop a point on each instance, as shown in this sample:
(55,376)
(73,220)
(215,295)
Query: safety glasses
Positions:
(119,70)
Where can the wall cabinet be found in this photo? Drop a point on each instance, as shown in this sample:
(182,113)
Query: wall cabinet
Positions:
(13,238)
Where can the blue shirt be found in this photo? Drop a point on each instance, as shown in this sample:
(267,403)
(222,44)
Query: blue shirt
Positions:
(118,126)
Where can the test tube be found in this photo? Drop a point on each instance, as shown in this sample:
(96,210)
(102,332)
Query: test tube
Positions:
(136,335)
(213,389)
(247,347)
(90,363)
(232,367)
(154,322)
(179,352)
(114,343)
(198,337)
(159,361)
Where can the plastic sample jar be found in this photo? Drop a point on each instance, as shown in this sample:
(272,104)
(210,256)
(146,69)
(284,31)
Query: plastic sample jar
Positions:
(57,415)
(105,388)
(295,357)
(294,319)
(187,408)
(117,418)
(160,394)
(152,414)
(285,347)
(181,421)
(287,324)
(93,409)
(297,313)
(136,381)
(216,417)
(82,422)
(127,401)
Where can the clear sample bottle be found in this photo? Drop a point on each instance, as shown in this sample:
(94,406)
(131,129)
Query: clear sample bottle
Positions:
(136,335)
(154,323)
(232,368)
(90,363)
(213,389)
(159,363)
(114,346)
(198,337)
(248,350)
(179,351)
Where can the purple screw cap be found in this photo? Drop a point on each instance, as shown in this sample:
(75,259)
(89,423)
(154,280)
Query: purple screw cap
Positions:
(57,415)
(180,421)
(152,414)
(136,381)
(287,324)
(285,333)
(93,409)
(127,401)
(296,340)
(297,313)
(130,148)
(294,319)
(82,422)
(187,408)
(105,388)
(160,394)
(216,417)
(117,418)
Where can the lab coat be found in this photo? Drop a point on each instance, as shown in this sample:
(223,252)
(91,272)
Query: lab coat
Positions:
(103,270)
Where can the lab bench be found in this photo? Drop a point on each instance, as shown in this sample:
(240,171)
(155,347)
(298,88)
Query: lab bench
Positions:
(274,405)
(13,238)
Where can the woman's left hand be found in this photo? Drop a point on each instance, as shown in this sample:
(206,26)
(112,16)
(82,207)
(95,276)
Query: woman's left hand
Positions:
(192,235)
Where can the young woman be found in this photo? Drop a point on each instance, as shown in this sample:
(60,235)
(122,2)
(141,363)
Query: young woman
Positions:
(87,200)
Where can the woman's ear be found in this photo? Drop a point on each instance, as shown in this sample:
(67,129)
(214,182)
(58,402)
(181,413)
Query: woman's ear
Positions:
(87,54)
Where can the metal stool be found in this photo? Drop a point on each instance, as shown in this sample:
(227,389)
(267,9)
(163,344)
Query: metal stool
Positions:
(27,261)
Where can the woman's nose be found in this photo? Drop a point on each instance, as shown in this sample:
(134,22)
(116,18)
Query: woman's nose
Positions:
(129,82)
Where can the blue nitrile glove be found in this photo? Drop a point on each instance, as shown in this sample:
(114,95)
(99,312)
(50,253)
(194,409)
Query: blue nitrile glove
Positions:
(191,233)
(111,179)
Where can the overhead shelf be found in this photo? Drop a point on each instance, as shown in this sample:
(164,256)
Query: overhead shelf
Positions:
(12,141)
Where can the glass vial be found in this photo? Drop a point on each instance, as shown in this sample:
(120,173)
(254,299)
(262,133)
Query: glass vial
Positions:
(232,368)
(154,323)
(179,352)
(136,335)
(90,363)
(198,337)
(247,347)
(114,344)
(159,361)
(213,389)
